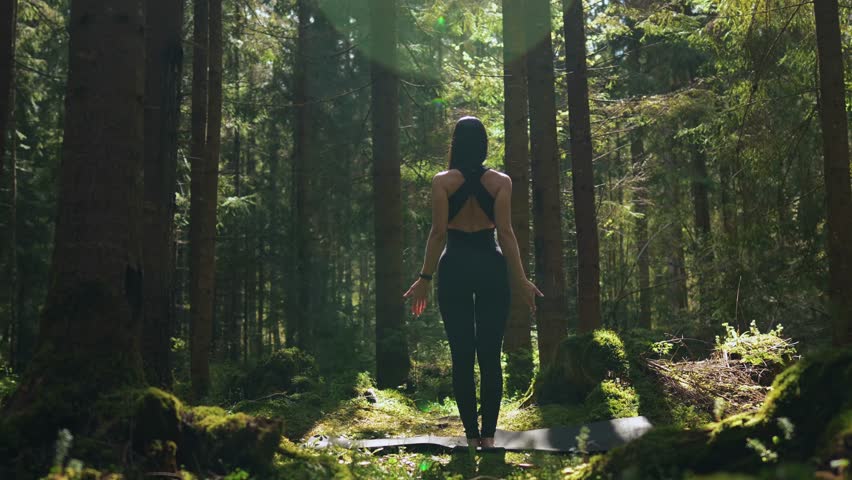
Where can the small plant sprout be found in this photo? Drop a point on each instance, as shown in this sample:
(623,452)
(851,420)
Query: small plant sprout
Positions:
(583,442)
(840,464)
(766,455)
(787,427)
(63,445)
(719,406)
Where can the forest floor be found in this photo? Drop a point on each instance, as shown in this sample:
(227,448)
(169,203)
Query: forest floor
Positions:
(370,413)
(393,414)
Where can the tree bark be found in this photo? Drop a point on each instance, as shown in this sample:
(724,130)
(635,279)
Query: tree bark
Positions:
(8,24)
(678,293)
(392,360)
(637,152)
(583,175)
(550,277)
(235,267)
(728,207)
(13,328)
(276,282)
(835,139)
(261,297)
(518,342)
(163,66)
(203,200)
(302,331)
(213,152)
(88,341)
(701,205)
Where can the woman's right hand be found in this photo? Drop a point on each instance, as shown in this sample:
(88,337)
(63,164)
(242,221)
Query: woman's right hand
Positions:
(529,292)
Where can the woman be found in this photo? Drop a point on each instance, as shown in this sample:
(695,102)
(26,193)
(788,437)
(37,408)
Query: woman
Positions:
(470,202)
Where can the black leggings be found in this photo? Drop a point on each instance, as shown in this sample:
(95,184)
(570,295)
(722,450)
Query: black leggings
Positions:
(474,299)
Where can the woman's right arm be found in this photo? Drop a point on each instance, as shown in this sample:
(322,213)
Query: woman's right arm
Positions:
(509,243)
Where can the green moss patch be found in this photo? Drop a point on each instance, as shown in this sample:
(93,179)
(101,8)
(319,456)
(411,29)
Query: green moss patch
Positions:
(612,399)
(215,438)
(581,363)
(152,430)
(288,369)
(805,415)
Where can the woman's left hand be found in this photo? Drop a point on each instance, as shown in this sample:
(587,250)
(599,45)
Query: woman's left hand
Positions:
(419,293)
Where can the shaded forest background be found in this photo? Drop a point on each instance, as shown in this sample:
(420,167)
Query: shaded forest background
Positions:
(708,175)
(289,147)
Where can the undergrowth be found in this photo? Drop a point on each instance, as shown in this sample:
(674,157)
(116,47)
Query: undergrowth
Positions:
(349,405)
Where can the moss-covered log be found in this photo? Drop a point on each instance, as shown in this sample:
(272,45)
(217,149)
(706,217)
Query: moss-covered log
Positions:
(205,438)
(288,369)
(145,429)
(807,416)
(582,362)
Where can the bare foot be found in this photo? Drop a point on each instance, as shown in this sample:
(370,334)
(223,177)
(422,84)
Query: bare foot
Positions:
(486,442)
(473,442)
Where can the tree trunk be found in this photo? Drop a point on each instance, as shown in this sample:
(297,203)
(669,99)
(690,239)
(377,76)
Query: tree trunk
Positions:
(88,341)
(637,152)
(250,285)
(677,277)
(8,24)
(276,282)
(678,294)
(550,277)
(261,297)
(302,313)
(729,223)
(701,205)
(12,330)
(205,169)
(583,175)
(235,268)
(701,219)
(163,66)
(363,292)
(518,343)
(392,360)
(835,140)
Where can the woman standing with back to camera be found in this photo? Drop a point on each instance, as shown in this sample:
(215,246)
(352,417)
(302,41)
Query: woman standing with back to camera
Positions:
(470,202)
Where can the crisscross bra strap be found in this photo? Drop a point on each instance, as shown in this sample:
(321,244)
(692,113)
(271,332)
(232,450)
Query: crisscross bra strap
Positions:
(471,186)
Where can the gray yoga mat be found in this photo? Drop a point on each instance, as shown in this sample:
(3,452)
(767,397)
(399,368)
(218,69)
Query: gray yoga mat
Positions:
(602,436)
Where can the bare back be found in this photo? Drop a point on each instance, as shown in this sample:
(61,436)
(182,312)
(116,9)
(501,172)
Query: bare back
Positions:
(471,217)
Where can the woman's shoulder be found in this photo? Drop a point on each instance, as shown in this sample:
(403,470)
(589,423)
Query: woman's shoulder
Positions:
(496,179)
(445,175)
(452,176)
(498,174)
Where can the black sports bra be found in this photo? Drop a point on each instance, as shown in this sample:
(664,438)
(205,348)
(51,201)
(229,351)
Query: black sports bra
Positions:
(471,186)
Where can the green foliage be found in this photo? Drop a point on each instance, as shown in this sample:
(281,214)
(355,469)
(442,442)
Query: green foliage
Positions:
(769,349)
(688,416)
(8,382)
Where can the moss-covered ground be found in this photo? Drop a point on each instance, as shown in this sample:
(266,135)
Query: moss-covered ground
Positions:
(803,429)
(376,413)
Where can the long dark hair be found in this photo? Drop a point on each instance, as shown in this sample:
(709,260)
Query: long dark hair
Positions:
(470,144)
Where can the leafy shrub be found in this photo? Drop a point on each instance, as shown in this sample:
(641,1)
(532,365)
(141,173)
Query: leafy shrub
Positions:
(8,382)
(768,349)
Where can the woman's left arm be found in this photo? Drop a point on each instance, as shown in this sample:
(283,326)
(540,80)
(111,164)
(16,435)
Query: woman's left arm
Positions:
(438,234)
(434,246)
